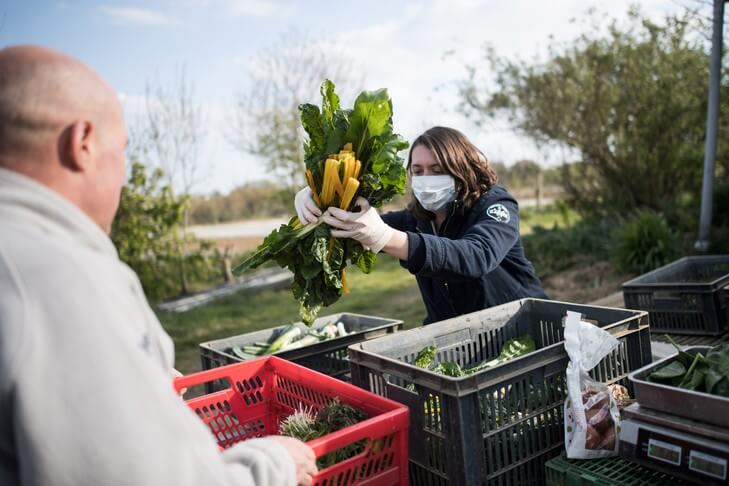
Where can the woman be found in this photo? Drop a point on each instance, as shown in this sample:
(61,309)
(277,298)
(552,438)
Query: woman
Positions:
(459,235)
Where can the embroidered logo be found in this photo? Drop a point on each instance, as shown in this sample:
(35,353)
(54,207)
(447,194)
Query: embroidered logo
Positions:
(499,213)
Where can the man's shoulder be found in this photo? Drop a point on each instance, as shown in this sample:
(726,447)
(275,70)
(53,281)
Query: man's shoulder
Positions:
(30,250)
(44,263)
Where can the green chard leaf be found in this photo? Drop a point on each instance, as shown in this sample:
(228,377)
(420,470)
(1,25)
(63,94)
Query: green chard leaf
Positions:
(426,356)
(330,101)
(311,119)
(371,116)
(674,369)
(364,259)
(712,378)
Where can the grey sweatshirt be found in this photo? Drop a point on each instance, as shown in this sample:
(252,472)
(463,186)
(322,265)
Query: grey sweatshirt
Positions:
(86,393)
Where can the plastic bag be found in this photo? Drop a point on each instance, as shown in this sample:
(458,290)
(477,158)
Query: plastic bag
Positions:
(591,417)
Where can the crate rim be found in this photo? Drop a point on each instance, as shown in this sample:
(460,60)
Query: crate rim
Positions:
(720,282)
(315,348)
(484,379)
(270,363)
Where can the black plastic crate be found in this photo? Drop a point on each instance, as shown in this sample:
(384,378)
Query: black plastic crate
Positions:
(688,296)
(497,426)
(328,357)
(612,471)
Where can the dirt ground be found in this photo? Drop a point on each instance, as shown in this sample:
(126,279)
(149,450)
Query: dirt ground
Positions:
(585,284)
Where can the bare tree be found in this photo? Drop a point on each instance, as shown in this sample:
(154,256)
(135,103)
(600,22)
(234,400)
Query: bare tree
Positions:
(173,134)
(265,122)
(175,130)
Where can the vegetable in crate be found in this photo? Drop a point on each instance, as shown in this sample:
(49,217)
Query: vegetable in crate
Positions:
(350,153)
(335,415)
(600,431)
(513,348)
(709,374)
(288,338)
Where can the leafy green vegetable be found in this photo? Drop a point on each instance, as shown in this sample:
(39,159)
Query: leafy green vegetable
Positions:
(675,369)
(426,356)
(513,348)
(316,259)
(708,373)
(449,368)
(333,416)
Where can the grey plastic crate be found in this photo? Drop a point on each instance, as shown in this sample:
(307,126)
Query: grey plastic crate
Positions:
(688,296)
(329,357)
(500,425)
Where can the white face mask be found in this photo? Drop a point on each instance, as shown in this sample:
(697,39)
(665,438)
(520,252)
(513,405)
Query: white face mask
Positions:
(434,192)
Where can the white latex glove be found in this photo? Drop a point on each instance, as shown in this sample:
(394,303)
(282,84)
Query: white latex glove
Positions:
(366,226)
(306,208)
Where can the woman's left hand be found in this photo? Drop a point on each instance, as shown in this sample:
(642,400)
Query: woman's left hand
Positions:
(366,226)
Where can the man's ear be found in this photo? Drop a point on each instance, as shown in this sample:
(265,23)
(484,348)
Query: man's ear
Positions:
(76,146)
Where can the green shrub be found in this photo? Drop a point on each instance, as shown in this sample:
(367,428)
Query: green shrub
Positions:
(556,249)
(645,242)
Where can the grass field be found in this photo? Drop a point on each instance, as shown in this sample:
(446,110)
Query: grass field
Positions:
(389,291)
(550,216)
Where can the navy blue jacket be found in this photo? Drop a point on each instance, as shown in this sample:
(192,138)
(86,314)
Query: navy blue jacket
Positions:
(475,261)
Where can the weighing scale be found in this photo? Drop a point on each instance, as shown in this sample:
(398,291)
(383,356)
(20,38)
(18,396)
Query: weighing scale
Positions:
(678,446)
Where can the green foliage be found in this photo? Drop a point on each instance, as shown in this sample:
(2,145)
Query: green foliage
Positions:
(316,259)
(629,99)
(709,374)
(147,235)
(645,242)
(250,201)
(555,249)
(513,348)
(426,356)
(331,417)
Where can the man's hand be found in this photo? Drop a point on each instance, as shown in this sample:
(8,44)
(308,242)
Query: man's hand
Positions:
(177,374)
(306,208)
(366,226)
(303,457)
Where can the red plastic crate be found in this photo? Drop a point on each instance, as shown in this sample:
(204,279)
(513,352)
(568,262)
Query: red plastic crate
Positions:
(264,391)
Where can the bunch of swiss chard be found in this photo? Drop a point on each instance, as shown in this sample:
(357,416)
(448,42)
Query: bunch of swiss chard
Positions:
(709,373)
(349,153)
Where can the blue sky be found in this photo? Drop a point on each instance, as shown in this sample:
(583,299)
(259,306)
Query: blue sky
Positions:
(397,44)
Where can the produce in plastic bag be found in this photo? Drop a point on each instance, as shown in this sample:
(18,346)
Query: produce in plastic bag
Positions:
(591,414)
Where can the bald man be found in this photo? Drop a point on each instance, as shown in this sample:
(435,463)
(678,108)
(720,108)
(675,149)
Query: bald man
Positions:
(85,385)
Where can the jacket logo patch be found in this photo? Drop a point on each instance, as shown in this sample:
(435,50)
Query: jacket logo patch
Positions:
(499,213)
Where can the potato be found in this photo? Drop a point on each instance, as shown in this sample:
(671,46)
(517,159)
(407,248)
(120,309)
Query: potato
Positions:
(599,418)
(608,441)
(593,438)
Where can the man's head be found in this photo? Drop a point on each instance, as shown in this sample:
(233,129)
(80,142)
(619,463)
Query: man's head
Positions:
(63,126)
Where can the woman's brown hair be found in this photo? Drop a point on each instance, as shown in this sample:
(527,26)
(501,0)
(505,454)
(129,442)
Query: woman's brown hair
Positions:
(459,158)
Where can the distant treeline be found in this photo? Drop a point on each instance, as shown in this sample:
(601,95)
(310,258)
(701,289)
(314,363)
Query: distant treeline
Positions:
(266,199)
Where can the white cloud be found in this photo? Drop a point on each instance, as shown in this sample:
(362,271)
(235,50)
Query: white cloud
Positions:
(407,56)
(251,8)
(139,16)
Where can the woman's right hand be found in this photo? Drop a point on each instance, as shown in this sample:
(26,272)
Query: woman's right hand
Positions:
(306,208)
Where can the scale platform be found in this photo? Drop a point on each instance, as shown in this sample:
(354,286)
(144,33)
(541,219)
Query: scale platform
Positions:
(681,447)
